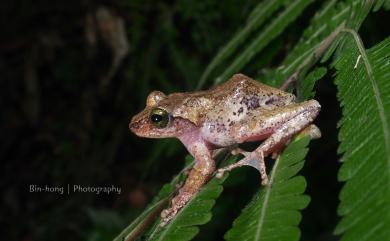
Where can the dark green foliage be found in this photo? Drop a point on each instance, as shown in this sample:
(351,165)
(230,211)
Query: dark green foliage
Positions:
(305,88)
(266,35)
(273,213)
(258,16)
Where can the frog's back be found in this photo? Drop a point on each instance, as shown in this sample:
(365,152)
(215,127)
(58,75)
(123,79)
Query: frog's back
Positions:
(234,102)
(241,89)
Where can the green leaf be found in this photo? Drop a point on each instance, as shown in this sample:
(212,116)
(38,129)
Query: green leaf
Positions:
(273,213)
(272,30)
(328,19)
(258,16)
(196,212)
(364,91)
(305,87)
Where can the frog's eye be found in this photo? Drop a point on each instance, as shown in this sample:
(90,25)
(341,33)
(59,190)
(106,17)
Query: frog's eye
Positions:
(159,117)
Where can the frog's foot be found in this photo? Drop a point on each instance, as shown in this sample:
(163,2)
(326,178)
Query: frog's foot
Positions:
(254,159)
(178,203)
(312,131)
(275,155)
(238,150)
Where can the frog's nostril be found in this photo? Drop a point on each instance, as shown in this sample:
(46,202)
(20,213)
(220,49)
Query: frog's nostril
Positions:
(133,125)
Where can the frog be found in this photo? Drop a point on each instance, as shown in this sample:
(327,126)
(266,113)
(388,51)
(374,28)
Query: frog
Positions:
(237,111)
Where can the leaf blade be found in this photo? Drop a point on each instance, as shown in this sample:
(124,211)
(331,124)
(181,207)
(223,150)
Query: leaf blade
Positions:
(261,13)
(363,90)
(276,27)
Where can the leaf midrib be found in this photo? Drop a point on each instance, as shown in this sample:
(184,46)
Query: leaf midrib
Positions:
(266,199)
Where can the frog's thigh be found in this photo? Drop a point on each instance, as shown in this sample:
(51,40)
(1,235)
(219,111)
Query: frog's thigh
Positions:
(287,130)
(255,127)
(260,123)
(251,128)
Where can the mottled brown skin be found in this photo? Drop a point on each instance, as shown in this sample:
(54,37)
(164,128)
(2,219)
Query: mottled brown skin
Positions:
(237,111)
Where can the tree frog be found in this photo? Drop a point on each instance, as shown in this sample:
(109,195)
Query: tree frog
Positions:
(239,110)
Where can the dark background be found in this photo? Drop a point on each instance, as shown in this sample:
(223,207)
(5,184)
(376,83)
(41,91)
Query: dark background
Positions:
(65,112)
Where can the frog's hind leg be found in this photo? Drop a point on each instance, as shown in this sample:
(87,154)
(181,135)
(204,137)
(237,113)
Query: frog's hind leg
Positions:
(312,131)
(276,141)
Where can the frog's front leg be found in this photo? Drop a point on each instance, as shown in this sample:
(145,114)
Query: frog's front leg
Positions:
(296,119)
(198,176)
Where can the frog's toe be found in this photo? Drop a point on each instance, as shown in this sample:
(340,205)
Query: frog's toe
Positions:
(275,155)
(220,173)
(167,215)
(314,132)
(238,151)
(264,180)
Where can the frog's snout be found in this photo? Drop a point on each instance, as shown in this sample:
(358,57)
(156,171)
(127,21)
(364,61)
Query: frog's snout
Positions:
(134,126)
(139,126)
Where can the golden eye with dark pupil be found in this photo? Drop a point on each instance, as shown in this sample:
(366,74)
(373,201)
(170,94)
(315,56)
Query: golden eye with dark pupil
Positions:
(159,117)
